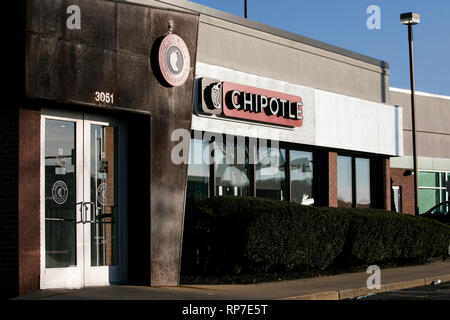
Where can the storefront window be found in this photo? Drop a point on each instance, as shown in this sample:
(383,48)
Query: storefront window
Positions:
(198,172)
(345,184)
(354,187)
(362,167)
(429,179)
(432,189)
(301,177)
(428,198)
(270,177)
(232,169)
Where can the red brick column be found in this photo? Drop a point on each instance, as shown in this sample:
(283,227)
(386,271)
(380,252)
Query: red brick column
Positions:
(387,179)
(332,180)
(407,184)
(29,200)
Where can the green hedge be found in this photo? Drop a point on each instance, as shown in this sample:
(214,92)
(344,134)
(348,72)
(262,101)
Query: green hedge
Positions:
(231,235)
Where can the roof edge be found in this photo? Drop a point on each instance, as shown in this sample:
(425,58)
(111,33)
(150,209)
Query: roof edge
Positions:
(274,31)
(420,93)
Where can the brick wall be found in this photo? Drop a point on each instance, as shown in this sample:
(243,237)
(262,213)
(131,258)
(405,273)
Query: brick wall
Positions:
(29,200)
(19,201)
(332,180)
(387,184)
(407,184)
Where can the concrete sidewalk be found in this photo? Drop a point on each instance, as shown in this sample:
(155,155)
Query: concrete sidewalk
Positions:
(335,287)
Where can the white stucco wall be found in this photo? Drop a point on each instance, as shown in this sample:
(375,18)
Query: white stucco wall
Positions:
(329,119)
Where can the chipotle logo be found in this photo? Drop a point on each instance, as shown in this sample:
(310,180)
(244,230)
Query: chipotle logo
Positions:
(249,103)
(174,60)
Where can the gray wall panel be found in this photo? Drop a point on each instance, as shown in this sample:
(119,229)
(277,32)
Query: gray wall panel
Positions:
(432,123)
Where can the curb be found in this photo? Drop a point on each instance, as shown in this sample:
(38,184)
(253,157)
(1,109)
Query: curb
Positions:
(360,292)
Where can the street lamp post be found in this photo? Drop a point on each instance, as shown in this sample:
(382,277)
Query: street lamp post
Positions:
(411,19)
(245,9)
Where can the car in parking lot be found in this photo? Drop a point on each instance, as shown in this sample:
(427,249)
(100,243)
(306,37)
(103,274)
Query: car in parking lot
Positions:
(439,212)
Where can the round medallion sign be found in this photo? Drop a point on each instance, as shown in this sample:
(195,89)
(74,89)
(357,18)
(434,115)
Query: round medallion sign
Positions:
(101,194)
(60,192)
(174,60)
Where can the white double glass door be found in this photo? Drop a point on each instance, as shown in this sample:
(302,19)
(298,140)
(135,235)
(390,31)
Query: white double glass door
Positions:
(83,200)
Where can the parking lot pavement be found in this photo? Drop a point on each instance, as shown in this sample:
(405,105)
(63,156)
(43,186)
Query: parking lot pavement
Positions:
(432,292)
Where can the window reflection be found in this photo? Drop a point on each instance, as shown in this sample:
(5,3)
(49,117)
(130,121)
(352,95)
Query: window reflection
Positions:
(301,177)
(104,245)
(60,194)
(198,172)
(428,179)
(428,198)
(362,167)
(345,185)
(232,168)
(270,173)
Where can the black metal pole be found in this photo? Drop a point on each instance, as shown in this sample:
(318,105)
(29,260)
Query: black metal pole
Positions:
(413,115)
(245,10)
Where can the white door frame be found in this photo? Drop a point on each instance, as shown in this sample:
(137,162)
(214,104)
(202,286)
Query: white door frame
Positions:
(83,274)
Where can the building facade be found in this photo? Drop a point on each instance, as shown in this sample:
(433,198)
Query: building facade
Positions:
(92,194)
(433,140)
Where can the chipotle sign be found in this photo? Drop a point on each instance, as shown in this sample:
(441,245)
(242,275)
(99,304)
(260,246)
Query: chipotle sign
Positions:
(249,103)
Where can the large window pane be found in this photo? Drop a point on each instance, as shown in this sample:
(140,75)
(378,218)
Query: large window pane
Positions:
(344,177)
(362,167)
(443,174)
(301,177)
(270,173)
(428,198)
(198,172)
(428,179)
(232,169)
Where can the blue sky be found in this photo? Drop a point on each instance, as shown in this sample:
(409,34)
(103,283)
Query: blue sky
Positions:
(343,23)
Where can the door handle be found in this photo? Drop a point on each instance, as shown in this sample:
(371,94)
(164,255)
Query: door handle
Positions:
(92,215)
(58,219)
(81,213)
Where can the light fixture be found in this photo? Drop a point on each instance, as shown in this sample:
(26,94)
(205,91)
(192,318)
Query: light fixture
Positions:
(410,18)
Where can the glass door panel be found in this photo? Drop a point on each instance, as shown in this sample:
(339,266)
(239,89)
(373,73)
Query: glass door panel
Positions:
(62,259)
(103,201)
(60,194)
(104,196)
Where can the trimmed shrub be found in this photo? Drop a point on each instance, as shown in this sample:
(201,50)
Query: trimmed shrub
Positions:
(295,238)
(232,235)
(377,237)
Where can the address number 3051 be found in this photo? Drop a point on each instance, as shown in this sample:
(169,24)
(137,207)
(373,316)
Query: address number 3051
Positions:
(104,97)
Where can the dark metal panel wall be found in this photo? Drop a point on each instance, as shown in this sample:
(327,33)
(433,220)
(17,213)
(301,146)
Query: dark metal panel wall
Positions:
(171,110)
(115,51)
